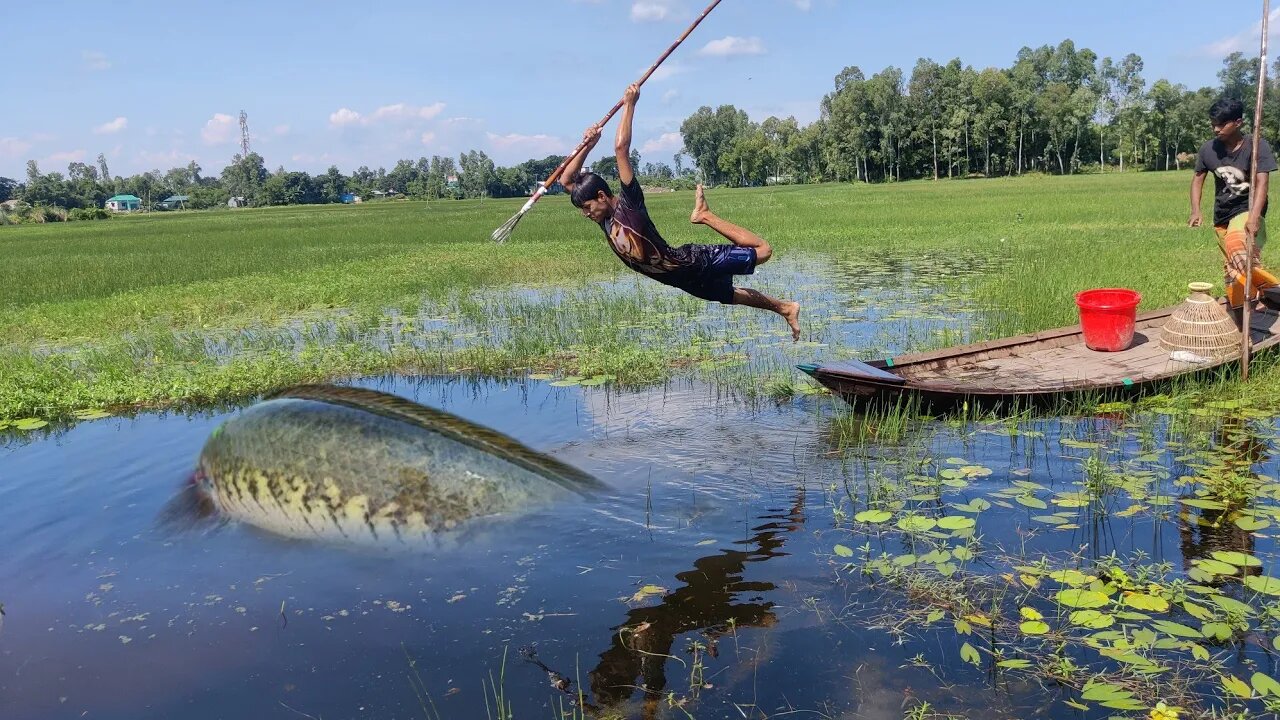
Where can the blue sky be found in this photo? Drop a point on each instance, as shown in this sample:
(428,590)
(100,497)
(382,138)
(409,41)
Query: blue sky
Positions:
(157,84)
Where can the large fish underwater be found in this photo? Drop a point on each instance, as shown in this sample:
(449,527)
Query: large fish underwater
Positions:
(355,465)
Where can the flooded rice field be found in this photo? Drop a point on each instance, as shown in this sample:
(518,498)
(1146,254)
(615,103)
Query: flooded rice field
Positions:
(744,558)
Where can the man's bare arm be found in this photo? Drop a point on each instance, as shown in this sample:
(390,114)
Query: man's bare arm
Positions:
(1197,189)
(569,178)
(622,143)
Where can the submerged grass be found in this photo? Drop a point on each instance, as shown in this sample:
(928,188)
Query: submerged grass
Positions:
(149,311)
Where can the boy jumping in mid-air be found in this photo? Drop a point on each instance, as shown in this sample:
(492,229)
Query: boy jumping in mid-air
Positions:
(704,271)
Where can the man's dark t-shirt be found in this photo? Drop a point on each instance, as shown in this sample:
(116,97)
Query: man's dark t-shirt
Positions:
(1232,175)
(636,241)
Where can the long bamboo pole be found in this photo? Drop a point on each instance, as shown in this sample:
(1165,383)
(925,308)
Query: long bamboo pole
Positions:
(1246,332)
(502,233)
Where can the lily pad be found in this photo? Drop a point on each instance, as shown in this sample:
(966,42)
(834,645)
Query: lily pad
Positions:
(1202,503)
(1236,686)
(1216,567)
(1142,601)
(1265,685)
(1092,619)
(1252,524)
(29,424)
(1264,584)
(1078,598)
(956,522)
(1032,501)
(1238,559)
(917,523)
(873,516)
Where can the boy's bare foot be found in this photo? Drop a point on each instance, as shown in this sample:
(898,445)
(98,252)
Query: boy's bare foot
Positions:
(700,209)
(791,311)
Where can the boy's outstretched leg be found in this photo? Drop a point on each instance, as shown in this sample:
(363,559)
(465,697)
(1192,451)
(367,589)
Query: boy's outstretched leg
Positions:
(788,309)
(735,234)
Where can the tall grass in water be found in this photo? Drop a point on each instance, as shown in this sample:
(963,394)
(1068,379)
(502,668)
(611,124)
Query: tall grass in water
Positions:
(260,271)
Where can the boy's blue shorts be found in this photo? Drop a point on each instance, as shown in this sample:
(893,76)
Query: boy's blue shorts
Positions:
(719,264)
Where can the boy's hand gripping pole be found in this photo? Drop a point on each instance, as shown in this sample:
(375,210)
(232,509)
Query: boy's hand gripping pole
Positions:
(501,234)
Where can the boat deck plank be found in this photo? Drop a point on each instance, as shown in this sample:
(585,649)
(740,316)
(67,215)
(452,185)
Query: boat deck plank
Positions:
(1048,362)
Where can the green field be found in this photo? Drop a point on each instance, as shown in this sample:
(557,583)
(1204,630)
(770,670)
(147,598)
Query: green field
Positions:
(147,311)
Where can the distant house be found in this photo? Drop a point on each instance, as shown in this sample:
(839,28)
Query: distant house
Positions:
(237,202)
(174,202)
(123,203)
(349,198)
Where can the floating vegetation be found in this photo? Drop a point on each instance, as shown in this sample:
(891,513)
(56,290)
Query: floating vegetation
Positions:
(955,554)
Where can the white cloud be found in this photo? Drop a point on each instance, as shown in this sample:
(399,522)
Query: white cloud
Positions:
(66,156)
(344,116)
(664,143)
(13,147)
(114,126)
(648,11)
(428,138)
(670,95)
(538,144)
(460,120)
(220,129)
(401,112)
(281,130)
(94,60)
(733,45)
(1246,41)
(803,4)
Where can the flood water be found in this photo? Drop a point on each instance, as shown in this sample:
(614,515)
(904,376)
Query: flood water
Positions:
(723,574)
(703,582)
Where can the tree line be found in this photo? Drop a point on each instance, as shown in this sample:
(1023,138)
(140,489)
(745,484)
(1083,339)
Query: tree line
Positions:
(1056,109)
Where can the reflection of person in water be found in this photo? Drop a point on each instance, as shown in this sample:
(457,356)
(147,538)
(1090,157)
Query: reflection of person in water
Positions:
(1202,530)
(706,603)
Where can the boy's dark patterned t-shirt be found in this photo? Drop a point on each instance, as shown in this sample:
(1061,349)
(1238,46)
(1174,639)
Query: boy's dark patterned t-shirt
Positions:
(1232,175)
(636,241)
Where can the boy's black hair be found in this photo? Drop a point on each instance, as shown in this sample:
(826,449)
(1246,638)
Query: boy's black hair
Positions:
(1226,109)
(588,186)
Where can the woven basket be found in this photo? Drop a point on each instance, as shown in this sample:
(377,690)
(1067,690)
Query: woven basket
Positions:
(1200,325)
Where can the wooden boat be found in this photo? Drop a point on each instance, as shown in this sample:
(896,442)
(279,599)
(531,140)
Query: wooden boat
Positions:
(1028,370)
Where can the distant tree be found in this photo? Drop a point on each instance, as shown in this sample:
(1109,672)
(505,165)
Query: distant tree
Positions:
(708,134)
(606,166)
(8,188)
(244,176)
(332,185)
(103,172)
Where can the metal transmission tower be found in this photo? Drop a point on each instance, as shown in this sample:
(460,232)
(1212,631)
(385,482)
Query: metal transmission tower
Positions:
(244,134)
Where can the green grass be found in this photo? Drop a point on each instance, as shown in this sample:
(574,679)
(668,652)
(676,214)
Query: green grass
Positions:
(117,313)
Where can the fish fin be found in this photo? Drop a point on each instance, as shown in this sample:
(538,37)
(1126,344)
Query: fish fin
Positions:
(189,510)
(451,426)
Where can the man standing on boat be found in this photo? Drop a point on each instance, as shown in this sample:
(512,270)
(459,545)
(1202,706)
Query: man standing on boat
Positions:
(1228,157)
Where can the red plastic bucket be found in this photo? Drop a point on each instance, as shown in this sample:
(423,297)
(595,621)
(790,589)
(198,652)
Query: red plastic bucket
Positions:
(1107,317)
